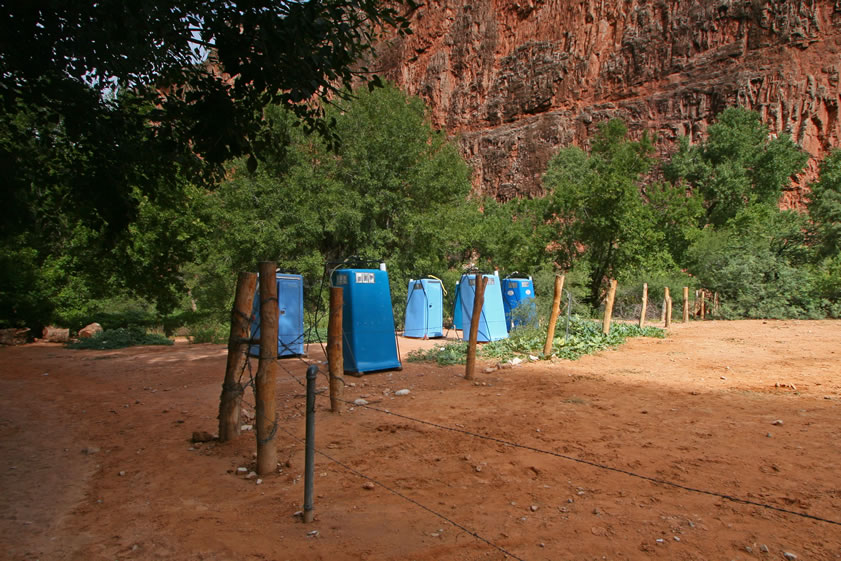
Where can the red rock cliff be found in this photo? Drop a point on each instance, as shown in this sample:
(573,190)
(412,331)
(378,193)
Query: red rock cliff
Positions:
(516,79)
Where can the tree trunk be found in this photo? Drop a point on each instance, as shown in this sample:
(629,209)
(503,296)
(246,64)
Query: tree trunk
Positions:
(230,402)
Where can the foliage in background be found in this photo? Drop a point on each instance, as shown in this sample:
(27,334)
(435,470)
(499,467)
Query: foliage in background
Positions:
(395,189)
(601,218)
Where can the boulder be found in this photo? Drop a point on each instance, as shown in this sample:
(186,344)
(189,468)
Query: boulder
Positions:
(89,330)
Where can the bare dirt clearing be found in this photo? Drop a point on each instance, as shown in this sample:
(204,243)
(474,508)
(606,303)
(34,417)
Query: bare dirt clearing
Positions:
(696,409)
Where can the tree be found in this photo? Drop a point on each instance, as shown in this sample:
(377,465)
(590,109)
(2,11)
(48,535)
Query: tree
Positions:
(739,164)
(759,264)
(824,204)
(596,203)
(394,189)
(108,110)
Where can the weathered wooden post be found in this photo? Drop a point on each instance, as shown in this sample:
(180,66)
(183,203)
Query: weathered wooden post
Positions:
(478,302)
(265,380)
(644,304)
(703,304)
(608,307)
(230,402)
(553,316)
(309,453)
(685,304)
(667,307)
(334,350)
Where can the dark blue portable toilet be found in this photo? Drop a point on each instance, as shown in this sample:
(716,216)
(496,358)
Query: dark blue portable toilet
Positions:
(518,292)
(457,323)
(424,309)
(368,343)
(290,316)
(492,320)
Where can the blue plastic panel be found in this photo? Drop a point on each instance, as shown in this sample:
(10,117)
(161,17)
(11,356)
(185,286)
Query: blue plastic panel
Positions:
(290,316)
(517,292)
(492,325)
(368,342)
(457,323)
(424,309)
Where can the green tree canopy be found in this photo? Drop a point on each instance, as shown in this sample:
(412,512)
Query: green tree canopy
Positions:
(737,165)
(595,201)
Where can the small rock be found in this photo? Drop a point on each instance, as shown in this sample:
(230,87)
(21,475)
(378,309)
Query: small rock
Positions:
(259,482)
(251,475)
(534,508)
(533,358)
(242,470)
(478,468)
(768,435)
(723,377)
(677,538)
(312,534)
(121,474)
(360,401)
(778,422)
(660,540)
(245,428)
(90,450)
(749,549)
(489,369)
(368,485)
(790,556)
(401,392)
(764,548)
(202,436)
(515,361)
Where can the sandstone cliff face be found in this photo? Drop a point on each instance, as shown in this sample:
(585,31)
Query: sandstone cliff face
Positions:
(516,79)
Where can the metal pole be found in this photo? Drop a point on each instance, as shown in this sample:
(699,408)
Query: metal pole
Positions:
(309,459)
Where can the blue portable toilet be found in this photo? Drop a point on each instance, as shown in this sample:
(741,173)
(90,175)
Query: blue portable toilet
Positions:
(457,323)
(424,309)
(492,321)
(290,316)
(368,343)
(517,292)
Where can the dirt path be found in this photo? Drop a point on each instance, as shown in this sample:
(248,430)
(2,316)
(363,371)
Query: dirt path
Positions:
(696,409)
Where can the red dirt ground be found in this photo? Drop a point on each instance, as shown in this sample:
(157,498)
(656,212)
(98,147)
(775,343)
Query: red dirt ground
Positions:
(697,409)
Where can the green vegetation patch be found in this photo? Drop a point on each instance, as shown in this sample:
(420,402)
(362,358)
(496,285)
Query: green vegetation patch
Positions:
(585,337)
(120,338)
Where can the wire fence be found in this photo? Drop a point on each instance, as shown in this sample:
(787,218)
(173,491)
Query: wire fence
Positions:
(508,443)
(488,438)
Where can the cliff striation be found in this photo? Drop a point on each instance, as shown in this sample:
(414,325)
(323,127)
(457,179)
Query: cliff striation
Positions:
(516,79)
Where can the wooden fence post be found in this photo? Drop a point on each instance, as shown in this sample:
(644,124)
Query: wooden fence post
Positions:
(667,307)
(685,304)
(266,415)
(478,302)
(553,316)
(334,350)
(703,304)
(644,304)
(608,307)
(230,402)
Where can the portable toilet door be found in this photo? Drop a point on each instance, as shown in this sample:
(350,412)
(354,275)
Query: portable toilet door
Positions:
(290,316)
(517,292)
(492,319)
(457,323)
(424,309)
(368,342)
